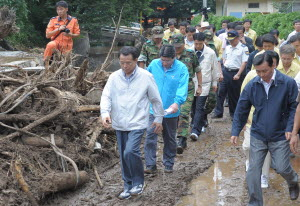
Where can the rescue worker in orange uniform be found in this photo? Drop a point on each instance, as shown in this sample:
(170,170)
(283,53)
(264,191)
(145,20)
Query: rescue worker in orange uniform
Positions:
(61,29)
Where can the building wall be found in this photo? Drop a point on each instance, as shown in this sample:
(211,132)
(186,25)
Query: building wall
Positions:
(241,7)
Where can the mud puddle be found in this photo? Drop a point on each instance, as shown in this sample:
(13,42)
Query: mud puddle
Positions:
(224,182)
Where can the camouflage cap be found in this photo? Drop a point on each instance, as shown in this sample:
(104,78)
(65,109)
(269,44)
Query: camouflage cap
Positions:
(177,40)
(209,36)
(157,32)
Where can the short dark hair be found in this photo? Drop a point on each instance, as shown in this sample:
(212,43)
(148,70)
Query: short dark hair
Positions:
(239,27)
(184,23)
(261,58)
(247,20)
(212,26)
(295,38)
(274,32)
(191,29)
(127,50)
(296,21)
(167,50)
(231,25)
(199,36)
(258,41)
(225,21)
(269,38)
(274,55)
(171,23)
(238,22)
(61,4)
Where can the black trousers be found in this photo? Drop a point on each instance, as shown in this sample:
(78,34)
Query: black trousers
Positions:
(233,89)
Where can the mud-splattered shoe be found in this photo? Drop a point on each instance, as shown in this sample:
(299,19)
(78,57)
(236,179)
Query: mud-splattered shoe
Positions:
(124,195)
(137,190)
(150,169)
(194,137)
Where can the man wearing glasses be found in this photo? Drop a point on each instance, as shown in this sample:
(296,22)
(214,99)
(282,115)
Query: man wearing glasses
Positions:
(172,78)
(125,104)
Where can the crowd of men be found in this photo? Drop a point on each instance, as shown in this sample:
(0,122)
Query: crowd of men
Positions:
(187,73)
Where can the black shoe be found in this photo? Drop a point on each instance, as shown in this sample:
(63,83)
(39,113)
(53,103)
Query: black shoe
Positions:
(226,104)
(150,169)
(294,192)
(217,116)
(181,144)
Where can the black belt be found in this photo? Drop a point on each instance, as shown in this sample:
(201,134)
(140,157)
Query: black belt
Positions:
(232,70)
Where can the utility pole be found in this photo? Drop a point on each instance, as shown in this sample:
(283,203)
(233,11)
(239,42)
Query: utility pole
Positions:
(225,8)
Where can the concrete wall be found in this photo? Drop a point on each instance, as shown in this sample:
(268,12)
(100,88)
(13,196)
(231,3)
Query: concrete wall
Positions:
(242,6)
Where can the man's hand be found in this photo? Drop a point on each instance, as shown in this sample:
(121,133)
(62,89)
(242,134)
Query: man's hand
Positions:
(62,27)
(106,122)
(199,91)
(236,77)
(233,140)
(221,77)
(174,106)
(288,135)
(67,34)
(215,88)
(158,127)
(242,39)
(294,143)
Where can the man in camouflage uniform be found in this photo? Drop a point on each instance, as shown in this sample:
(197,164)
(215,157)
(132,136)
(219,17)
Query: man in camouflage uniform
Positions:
(189,58)
(150,49)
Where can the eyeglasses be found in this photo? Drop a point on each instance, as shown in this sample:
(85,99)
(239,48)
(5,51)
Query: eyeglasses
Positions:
(126,63)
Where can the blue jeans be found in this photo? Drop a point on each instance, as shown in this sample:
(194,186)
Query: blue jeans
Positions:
(280,154)
(129,143)
(169,134)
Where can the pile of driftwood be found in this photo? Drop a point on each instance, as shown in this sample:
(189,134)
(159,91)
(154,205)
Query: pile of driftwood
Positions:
(50,130)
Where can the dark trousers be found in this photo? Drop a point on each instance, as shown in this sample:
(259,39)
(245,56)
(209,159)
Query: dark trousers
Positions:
(129,143)
(198,119)
(169,134)
(233,89)
(222,93)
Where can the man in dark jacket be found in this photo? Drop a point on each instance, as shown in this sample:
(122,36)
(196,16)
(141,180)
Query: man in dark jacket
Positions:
(273,95)
(244,39)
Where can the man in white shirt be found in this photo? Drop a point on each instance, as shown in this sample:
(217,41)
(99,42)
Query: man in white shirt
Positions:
(235,58)
(125,104)
(296,25)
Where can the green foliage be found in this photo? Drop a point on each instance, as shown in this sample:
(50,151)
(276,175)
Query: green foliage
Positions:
(216,20)
(261,23)
(34,15)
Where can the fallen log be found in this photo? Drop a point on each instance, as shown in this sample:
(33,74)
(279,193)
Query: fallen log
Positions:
(18,117)
(87,108)
(55,182)
(38,142)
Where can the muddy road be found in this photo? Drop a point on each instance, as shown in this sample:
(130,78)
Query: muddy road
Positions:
(210,172)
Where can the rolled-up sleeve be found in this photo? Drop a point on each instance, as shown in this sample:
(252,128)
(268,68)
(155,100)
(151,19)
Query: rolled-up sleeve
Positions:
(155,99)
(181,93)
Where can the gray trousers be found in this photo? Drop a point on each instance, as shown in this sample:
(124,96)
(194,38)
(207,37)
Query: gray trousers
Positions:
(169,151)
(280,154)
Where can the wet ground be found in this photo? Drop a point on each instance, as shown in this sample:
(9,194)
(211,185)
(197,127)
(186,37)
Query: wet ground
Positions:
(210,172)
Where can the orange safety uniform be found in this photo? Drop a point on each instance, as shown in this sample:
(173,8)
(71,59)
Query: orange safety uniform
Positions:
(62,43)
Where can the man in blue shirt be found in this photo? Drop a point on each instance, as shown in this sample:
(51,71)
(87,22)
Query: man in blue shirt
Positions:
(273,96)
(171,77)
